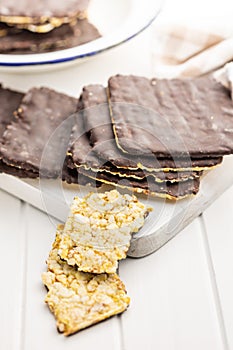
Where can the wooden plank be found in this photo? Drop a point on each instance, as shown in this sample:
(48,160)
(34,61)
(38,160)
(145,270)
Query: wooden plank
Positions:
(12,234)
(172,301)
(40,328)
(219,230)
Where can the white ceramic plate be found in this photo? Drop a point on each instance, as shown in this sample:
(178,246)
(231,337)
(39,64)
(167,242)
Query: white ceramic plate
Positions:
(117,20)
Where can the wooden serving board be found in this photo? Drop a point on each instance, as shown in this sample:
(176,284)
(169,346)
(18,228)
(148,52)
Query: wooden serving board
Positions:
(167,219)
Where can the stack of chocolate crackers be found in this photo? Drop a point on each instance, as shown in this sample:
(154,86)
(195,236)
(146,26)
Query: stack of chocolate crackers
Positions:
(27,123)
(146,135)
(152,136)
(41,26)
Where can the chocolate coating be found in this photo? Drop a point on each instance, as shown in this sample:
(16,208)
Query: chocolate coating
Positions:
(11,170)
(18,41)
(97,123)
(41,112)
(72,176)
(170,190)
(171,117)
(9,102)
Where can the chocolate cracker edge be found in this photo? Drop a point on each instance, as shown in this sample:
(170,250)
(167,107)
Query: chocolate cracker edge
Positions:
(140,166)
(113,121)
(144,191)
(41,24)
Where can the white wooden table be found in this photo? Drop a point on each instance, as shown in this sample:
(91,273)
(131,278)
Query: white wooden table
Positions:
(182,295)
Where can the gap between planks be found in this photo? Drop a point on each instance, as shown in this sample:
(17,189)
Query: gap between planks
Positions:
(217,301)
(23,232)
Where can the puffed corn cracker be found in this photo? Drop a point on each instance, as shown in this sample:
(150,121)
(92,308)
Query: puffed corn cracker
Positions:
(98,230)
(79,299)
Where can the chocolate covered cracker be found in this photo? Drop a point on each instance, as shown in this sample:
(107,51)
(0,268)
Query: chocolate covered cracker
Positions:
(176,190)
(84,155)
(87,157)
(158,176)
(171,117)
(41,16)
(11,170)
(97,123)
(23,41)
(9,102)
(71,175)
(41,112)
(92,162)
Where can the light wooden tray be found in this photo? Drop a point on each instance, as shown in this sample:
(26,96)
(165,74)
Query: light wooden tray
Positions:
(167,219)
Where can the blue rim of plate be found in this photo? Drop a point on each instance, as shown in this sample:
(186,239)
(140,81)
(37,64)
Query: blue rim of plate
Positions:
(82,55)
